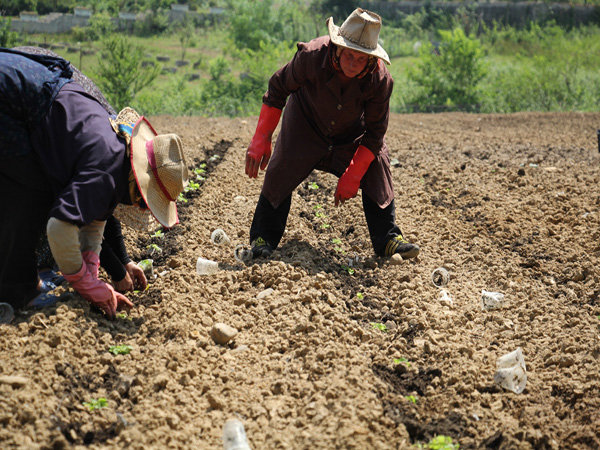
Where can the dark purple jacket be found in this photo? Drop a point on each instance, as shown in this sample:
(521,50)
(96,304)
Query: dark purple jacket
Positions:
(324,123)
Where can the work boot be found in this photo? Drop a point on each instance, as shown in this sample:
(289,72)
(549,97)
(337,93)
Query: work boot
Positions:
(401,246)
(261,248)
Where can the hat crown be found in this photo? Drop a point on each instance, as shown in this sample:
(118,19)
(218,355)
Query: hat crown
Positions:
(362,28)
(170,163)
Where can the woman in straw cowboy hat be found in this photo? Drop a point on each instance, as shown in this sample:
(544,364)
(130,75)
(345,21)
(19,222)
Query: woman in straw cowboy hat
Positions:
(62,166)
(125,274)
(335,120)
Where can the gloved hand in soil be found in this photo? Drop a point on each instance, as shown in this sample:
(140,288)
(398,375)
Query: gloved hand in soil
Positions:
(97,292)
(259,150)
(349,182)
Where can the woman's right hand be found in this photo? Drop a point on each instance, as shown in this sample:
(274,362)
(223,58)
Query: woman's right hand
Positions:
(97,292)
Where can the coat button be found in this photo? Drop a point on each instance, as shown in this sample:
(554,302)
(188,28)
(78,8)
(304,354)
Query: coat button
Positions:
(339,107)
(333,122)
(330,147)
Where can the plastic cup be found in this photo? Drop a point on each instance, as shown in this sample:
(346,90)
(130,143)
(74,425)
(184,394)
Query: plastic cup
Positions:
(206,266)
(219,237)
(234,436)
(511,373)
(7,313)
(440,277)
(491,300)
(147,266)
(242,254)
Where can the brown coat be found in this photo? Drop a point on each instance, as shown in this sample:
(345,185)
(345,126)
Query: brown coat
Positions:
(324,123)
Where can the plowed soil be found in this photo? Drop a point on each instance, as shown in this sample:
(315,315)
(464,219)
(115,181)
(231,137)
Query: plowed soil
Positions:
(336,348)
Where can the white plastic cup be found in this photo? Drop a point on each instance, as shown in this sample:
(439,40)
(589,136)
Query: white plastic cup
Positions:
(511,373)
(219,237)
(206,266)
(491,300)
(440,277)
(242,253)
(147,266)
(234,436)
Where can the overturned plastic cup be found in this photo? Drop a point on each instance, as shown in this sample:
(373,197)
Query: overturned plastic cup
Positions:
(491,300)
(234,436)
(206,266)
(242,253)
(440,277)
(7,313)
(219,237)
(510,371)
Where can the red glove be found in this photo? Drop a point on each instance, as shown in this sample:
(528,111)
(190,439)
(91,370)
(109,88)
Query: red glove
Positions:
(92,261)
(97,292)
(259,150)
(349,182)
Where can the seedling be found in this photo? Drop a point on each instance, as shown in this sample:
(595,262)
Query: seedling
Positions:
(339,250)
(411,398)
(324,226)
(402,361)
(94,404)
(360,295)
(441,442)
(379,326)
(336,241)
(182,198)
(348,269)
(199,172)
(158,234)
(213,158)
(192,186)
(154,249)
(124,315)
(120,349)
(312,185)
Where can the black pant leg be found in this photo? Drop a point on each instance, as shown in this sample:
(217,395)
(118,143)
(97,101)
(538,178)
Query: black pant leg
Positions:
(381,223)
(268,222)
(25,201)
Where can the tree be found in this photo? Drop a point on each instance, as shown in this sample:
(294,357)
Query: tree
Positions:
(7,38)
(120,72)
(450,73)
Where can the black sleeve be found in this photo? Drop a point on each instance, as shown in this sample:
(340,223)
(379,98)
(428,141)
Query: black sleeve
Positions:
(110,262)
(113,256)
(113,236)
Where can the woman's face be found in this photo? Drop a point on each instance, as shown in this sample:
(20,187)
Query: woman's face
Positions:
(352,62)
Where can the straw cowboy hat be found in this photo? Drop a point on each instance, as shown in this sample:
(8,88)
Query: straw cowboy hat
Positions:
(160,170)
(360,32)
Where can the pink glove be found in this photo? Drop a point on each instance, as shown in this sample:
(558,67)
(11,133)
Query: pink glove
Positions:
(97,292)
(349,182)
(92,261)
(259,150)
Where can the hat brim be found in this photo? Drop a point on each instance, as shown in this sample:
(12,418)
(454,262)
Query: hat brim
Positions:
(341,41)
(163,209)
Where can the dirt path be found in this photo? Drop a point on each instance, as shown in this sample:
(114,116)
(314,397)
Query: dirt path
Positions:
(506,203)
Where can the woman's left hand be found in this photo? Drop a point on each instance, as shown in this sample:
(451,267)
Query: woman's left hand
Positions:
(137,275)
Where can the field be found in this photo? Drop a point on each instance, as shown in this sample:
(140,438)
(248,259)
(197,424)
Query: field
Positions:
(333,354)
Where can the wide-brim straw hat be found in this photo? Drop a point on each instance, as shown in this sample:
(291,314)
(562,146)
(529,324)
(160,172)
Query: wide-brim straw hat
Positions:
(160,170)
(360,32)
